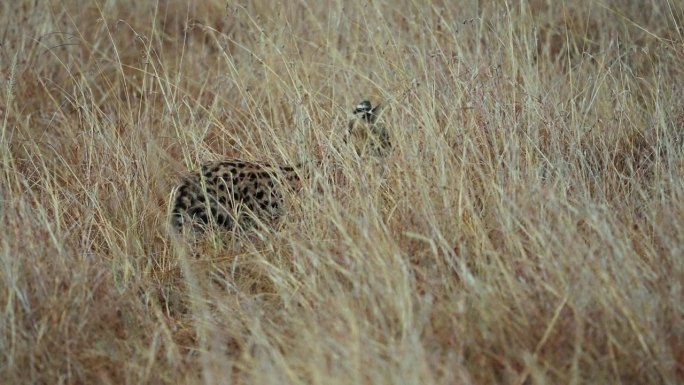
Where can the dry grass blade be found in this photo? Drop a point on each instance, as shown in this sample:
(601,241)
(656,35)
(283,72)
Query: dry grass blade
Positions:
(516,215)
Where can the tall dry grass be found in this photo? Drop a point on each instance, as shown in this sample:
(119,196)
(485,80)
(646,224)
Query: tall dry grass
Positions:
(528,227)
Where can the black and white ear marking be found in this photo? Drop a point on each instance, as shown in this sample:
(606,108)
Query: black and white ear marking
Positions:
(368,113)
(363,107)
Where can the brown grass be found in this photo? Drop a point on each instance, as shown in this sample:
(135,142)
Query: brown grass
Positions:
(527,229)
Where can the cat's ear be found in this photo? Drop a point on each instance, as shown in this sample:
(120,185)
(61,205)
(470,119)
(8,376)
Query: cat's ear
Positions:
(375,113)
(364,106)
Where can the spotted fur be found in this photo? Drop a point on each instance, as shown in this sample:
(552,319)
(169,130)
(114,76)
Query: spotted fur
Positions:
(366,133)
(232,192)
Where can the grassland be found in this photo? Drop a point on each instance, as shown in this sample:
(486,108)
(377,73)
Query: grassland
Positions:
(528,227)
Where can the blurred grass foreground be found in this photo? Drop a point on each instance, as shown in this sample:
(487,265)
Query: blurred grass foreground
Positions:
(527,227)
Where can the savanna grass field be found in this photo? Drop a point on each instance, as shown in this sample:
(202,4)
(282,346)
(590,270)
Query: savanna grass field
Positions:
(527,226)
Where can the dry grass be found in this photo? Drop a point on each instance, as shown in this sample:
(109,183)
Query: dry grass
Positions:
(527,229)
